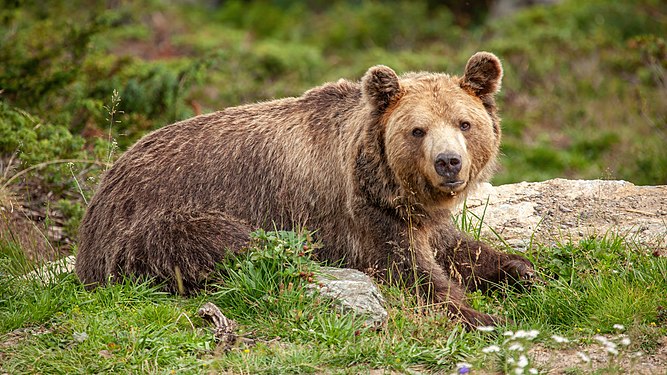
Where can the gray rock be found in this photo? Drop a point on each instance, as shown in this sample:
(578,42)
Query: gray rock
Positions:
(568,210)
(353,291)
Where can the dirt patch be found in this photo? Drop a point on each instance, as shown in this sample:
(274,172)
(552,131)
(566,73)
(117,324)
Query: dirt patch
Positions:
(596,357)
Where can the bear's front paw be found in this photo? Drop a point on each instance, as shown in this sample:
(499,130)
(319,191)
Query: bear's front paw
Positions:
(518,270)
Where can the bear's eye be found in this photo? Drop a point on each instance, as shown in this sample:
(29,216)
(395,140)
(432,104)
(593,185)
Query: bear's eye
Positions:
(418,132)
(464,126)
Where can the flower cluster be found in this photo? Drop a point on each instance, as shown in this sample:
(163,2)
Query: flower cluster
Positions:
(512,352)
(613,345)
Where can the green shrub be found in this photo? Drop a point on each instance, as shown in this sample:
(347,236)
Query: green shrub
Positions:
(34,142)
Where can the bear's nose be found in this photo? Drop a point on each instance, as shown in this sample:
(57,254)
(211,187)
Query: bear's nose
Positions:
(448,164)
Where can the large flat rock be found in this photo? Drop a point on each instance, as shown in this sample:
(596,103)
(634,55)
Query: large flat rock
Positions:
(561,210)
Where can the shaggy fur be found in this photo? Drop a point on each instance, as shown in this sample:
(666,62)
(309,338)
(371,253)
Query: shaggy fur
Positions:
(355,161)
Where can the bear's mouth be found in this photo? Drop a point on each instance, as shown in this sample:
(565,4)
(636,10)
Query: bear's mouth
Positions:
(453,186)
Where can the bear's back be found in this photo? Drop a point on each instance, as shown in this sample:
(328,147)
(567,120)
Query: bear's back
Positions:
(278,162)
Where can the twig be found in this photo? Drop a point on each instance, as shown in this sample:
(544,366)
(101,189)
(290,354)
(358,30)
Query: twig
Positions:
(224,327)
(186,317)
(640,212)
(9,164)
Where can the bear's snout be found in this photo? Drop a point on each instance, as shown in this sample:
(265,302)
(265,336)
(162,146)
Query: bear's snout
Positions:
(448,164)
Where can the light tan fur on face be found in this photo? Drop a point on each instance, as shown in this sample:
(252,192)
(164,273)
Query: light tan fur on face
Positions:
(438,105)
(444,138)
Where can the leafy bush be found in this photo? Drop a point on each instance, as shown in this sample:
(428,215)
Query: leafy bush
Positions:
(33,142)
(268,283)
(578,95)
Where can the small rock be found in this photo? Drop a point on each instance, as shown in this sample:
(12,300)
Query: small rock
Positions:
(353,291)
(80,336)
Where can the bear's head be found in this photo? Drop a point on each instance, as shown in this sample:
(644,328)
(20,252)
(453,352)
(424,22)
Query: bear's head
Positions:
(440,133)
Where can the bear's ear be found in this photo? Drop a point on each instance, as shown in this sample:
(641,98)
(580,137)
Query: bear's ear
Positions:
(380,87)
(483,74)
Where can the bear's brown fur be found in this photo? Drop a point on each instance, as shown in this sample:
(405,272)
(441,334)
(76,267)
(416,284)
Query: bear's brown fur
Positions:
(374,166)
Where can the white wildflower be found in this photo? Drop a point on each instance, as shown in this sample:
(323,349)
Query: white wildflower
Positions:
(625,341)
(518,370)
(584,357)
(485,328)
(601,339)
(516,346)
(80,336)
(523,361)
(508,333)
(559,339)
(611,350)
(619,327)
(491,349)
(533,371)
(529,335)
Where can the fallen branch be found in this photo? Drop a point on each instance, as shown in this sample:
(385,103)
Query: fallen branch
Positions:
(223,331)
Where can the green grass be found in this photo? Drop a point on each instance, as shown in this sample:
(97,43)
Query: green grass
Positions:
(133,327)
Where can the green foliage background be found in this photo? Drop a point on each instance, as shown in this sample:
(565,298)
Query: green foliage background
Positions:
(583,95)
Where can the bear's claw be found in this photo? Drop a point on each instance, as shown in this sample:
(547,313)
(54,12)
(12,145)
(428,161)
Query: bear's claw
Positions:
(519,270)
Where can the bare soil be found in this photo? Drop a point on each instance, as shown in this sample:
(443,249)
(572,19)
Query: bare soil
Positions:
(565,361)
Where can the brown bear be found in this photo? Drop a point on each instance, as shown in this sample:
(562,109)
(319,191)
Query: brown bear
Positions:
(374,167)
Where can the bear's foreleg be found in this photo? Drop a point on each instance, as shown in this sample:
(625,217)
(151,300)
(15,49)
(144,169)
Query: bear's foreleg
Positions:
(419,270)
(476,265)
(435,281)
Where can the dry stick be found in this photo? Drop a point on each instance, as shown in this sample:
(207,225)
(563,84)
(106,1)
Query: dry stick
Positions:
(224,327)
(9,164)
(186,317)
(640,212)
(76,181)
(58,161)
